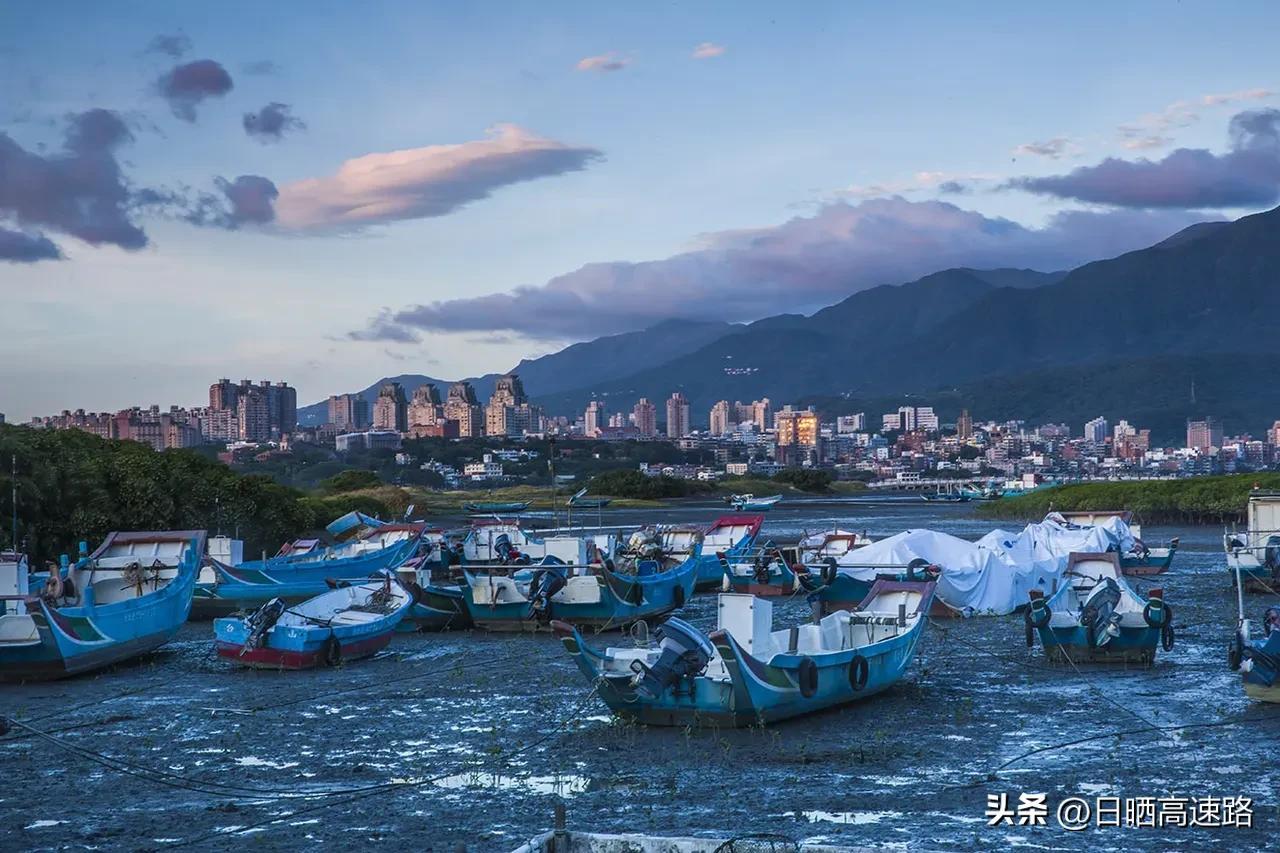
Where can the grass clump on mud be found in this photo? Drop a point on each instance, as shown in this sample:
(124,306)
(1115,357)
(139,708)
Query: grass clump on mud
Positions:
(1195,500)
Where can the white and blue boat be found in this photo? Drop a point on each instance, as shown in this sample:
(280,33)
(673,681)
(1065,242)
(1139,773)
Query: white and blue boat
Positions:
(347,623)
(751,503)
(729,538)
(1253,554)
(302,573)
(127,598)
(745,673)
(1094,616)
(591,594)
(1256,660)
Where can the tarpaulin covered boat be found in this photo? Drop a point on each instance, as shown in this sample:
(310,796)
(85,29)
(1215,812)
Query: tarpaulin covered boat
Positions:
(127,598)
(995,575)
(745,673)
(343,624)
(1096,617)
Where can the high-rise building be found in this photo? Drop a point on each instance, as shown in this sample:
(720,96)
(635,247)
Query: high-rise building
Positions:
(907,418)
(926,419)
(348,412)
(722,418)
(426,411)
(1096,430)
(964,425)
(253,413)
(677,416)
(280,400)
(891,422)
(509,411)
(761,414)
(851,423)
(1273,434)
(743,413)
(1204,434)
(593,419)
(645,415)
(798,435)
(1122,431)
(391,409)
(463,407)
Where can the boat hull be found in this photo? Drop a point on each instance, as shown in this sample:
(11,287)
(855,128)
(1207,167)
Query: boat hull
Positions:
(310,657)
(45,665)
(1155,563)
(437,608)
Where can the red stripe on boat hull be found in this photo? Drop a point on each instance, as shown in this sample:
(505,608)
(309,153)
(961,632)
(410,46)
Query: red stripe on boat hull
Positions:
(265,657)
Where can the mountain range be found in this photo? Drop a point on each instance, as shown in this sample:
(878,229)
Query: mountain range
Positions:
(1180,329)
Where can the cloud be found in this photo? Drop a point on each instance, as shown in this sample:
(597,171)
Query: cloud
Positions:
(384,328)
(708,50)
(1248,175)
(186,86)
(270,123)
(603,64)
(251,199)
(246,200)
(78,191)
(1052,148)
(175,45)
(19,247)
(1152,129)
(418,183)
(261,67)
(802,264)
(943,182)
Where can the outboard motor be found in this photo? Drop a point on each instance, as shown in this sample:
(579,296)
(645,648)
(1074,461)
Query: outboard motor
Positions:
(1271,555)
(502,547)
(684,653)
(260,622)
(1099,615)
(545,584)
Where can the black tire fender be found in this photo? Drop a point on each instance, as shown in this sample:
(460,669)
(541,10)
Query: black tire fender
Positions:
(1148,615)
(1037,617)
(1166,636)
(807,677)
(332,651)
(1235,653)
(859,672)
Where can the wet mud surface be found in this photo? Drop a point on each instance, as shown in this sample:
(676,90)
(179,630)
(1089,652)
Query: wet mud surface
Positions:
(463,741)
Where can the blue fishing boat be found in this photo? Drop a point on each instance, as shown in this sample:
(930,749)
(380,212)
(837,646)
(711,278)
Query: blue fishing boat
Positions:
(1139,559)
(127,598)
(527,598)
(224,589)
(728,538)
(745,673)
(1257,661)
(347,623)
(1096,617)
(751,503)
(834,586)
(762,571)
(435,582)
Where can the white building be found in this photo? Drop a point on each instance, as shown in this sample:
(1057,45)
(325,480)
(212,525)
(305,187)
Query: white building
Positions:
(486,469)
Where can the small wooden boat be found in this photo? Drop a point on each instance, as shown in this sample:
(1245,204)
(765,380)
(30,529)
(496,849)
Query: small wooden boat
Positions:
(224,589)
(1096,617)
(1253,555)
(127,598)
(751,503)
(499,507)
(579,500)
(745,673)
(816,548)
(527,598)
(343,624)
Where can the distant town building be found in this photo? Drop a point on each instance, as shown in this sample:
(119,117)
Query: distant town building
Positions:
(798,434)
(509,411)
(846,424)
(1273,435)
(426,411)
(253,415)
(277,400)
(1203,435)
(645,417)
(391,408)
(348,412)
(374,439)
(487,468)
(462,406)
(593,419)
(1096,430)
(761,414)
(964,425)
(723,418)
(891,422)
(677,416)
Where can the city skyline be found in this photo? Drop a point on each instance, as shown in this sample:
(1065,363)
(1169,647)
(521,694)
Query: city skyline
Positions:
(232,231)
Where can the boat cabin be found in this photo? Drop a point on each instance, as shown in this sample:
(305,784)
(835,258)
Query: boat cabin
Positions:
(1090,518)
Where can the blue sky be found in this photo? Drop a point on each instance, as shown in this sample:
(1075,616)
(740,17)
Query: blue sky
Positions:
(806,155)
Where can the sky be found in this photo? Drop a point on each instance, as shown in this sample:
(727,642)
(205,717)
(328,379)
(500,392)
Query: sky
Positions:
(327,193)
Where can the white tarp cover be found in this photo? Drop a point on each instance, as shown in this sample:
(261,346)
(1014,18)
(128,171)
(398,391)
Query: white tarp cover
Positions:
(991,577)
